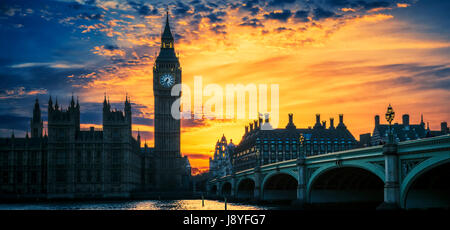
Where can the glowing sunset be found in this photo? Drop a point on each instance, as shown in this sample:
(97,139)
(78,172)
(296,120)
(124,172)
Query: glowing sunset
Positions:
(328,57)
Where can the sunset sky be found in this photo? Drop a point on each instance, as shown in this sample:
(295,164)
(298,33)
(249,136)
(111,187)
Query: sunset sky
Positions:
(328,56)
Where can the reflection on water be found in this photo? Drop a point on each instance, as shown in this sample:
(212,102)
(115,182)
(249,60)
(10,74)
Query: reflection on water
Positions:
(133,205)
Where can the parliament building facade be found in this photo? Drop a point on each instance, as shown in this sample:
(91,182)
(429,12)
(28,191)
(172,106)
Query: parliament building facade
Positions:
(73,163)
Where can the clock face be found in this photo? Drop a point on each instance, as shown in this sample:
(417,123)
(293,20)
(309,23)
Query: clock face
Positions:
(167,80)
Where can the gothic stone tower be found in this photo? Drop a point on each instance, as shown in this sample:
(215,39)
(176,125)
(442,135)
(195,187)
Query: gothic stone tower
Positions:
(167,73)
(63,125)
(36,123)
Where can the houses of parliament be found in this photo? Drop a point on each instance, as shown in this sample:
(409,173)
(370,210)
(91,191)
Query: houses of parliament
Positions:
(73,163)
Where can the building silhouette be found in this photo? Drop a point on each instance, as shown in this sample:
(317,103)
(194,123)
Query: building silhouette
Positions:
(71,162)
(401,132)
(260,147)
(170,173)
(220,165)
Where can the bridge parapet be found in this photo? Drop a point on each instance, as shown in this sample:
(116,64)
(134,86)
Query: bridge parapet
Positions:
(424,145)
(397,168)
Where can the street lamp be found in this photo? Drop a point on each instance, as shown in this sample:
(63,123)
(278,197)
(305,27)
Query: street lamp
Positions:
(390,114)
(301,140)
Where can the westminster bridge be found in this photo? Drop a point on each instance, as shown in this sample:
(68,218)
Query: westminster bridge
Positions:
(410,174)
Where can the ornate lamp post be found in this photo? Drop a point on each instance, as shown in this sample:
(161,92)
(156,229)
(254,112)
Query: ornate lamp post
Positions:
(301,140)
(390,114)
(391,184)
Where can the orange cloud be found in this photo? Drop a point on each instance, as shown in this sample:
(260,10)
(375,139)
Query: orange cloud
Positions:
(353,65)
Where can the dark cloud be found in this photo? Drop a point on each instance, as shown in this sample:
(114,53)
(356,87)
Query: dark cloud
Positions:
(197,156)
(94,16)
(250,6)
(281,2)
(337,3)
(192,123)
(301,15)
(216,16)
(182,10)
(253,22)
(200,7)
(219,29)
(320,13)
(281,29)
(111,47)
(280,16)
(373,5)
(366,5)
(143,9)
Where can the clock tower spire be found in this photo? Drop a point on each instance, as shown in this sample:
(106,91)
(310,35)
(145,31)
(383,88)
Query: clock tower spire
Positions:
(167,73)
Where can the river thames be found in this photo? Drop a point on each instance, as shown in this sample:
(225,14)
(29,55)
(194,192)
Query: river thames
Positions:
(134,205)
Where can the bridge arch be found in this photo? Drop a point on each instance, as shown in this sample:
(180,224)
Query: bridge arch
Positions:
(279,186)
(427,184)
(356,184)
(226,189)
(245,188)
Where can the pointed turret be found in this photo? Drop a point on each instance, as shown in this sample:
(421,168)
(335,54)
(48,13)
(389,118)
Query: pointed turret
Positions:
(167,52)
(50,103)
(106,105)
(56,104)
(36,123)
(127,111)
(72,102)
(36,112)
(224,139)
(166,36)
(139,138)
(421,120)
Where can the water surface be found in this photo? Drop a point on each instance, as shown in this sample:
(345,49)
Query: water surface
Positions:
(132,205)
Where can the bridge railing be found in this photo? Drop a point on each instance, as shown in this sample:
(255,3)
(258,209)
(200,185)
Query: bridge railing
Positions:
(403,147)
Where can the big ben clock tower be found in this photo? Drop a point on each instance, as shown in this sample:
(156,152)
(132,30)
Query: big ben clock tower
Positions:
(167,73)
